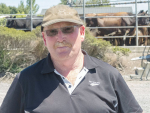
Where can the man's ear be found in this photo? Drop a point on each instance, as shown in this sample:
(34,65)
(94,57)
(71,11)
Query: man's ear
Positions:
(82,32)
(43,35)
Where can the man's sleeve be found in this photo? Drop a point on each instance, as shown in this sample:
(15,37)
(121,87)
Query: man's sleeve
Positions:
(126,100)
(14,99)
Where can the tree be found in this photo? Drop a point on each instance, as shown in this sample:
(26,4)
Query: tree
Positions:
(35,7)
(4,9)
(22,7)
(64,2)
(97,1)
(13,10)
(79,2)
(26,9)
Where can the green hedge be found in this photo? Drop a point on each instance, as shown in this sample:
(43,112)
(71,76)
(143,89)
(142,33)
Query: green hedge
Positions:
(95,47)
(3,22)
(12,38)
(30,48)
(15,61)
(124,51)
(15,34)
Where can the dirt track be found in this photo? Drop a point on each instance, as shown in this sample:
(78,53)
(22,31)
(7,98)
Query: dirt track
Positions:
(140,89)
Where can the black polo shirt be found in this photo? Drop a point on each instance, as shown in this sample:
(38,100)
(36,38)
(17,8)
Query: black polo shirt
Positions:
(38,89)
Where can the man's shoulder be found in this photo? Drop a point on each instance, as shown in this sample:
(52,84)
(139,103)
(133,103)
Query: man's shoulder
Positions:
(101,63)
(36,66)
(32,70)
(104,67)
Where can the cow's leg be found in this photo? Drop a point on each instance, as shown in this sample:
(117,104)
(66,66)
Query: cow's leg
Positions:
(124,38)
(131,31)
(133,41)
(140,41)
(121,42)
(115,43)
(129,41)
(144,32)
(148,39)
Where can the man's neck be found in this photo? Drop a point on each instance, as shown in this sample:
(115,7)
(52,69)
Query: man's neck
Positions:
(66,67)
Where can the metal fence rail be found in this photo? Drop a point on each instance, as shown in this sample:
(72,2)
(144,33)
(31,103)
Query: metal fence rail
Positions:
(105,4)
(100,4)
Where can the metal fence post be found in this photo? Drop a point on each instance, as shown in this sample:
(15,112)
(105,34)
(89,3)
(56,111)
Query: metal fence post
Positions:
(136,23)
(148,7)
(31,14)
(84,10)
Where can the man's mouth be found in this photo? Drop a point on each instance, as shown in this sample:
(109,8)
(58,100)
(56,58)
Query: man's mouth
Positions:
(62,45)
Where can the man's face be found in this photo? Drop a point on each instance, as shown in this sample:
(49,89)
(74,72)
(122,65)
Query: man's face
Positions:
(63,43)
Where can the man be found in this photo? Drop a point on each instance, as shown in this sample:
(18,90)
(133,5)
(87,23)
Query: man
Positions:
(68,80)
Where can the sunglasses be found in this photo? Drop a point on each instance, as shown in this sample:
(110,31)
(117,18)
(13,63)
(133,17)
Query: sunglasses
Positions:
(65,30)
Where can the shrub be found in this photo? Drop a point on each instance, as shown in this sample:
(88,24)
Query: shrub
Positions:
(40,15)
(124,51)
(116,60)
(95,47)
(16,59)
(3,21)
(20,16)
(33,48)
(5,60)
(13,38)
(37,31)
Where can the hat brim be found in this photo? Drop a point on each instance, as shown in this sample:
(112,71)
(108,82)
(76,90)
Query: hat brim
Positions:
(62,20)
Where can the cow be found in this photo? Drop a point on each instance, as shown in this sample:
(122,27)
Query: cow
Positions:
(119,21)
(36,22)
(148,29)
(144,30)
(23,23)
(19,23)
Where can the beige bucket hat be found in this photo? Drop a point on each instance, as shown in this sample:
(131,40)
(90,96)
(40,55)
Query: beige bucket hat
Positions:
(61,13)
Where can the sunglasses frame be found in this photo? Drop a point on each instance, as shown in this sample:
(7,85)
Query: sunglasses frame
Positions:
(62,30)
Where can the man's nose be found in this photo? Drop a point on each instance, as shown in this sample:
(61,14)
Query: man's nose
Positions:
(60,36)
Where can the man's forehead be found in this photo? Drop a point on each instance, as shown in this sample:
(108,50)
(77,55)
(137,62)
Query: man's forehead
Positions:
(60,24)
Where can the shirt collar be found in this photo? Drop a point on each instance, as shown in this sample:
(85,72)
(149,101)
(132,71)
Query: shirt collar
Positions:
(48,66)
(89,63)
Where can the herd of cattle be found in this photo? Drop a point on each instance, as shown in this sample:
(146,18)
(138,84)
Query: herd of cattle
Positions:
(102,22)
(120,21)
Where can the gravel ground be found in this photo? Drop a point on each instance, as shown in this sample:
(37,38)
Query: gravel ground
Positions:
(140,89)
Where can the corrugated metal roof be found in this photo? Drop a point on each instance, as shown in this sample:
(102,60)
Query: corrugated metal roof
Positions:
(99,10)
(104,10)
(43,11)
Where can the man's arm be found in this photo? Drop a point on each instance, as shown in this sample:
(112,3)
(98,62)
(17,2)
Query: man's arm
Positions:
(14,99)
(126,100)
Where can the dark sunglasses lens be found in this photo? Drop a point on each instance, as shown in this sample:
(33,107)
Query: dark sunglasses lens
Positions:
(68,29)
(52,32)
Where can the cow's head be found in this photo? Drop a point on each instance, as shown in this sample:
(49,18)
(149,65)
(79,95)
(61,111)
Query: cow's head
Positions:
(91,22)
(10,22)
(143,20)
